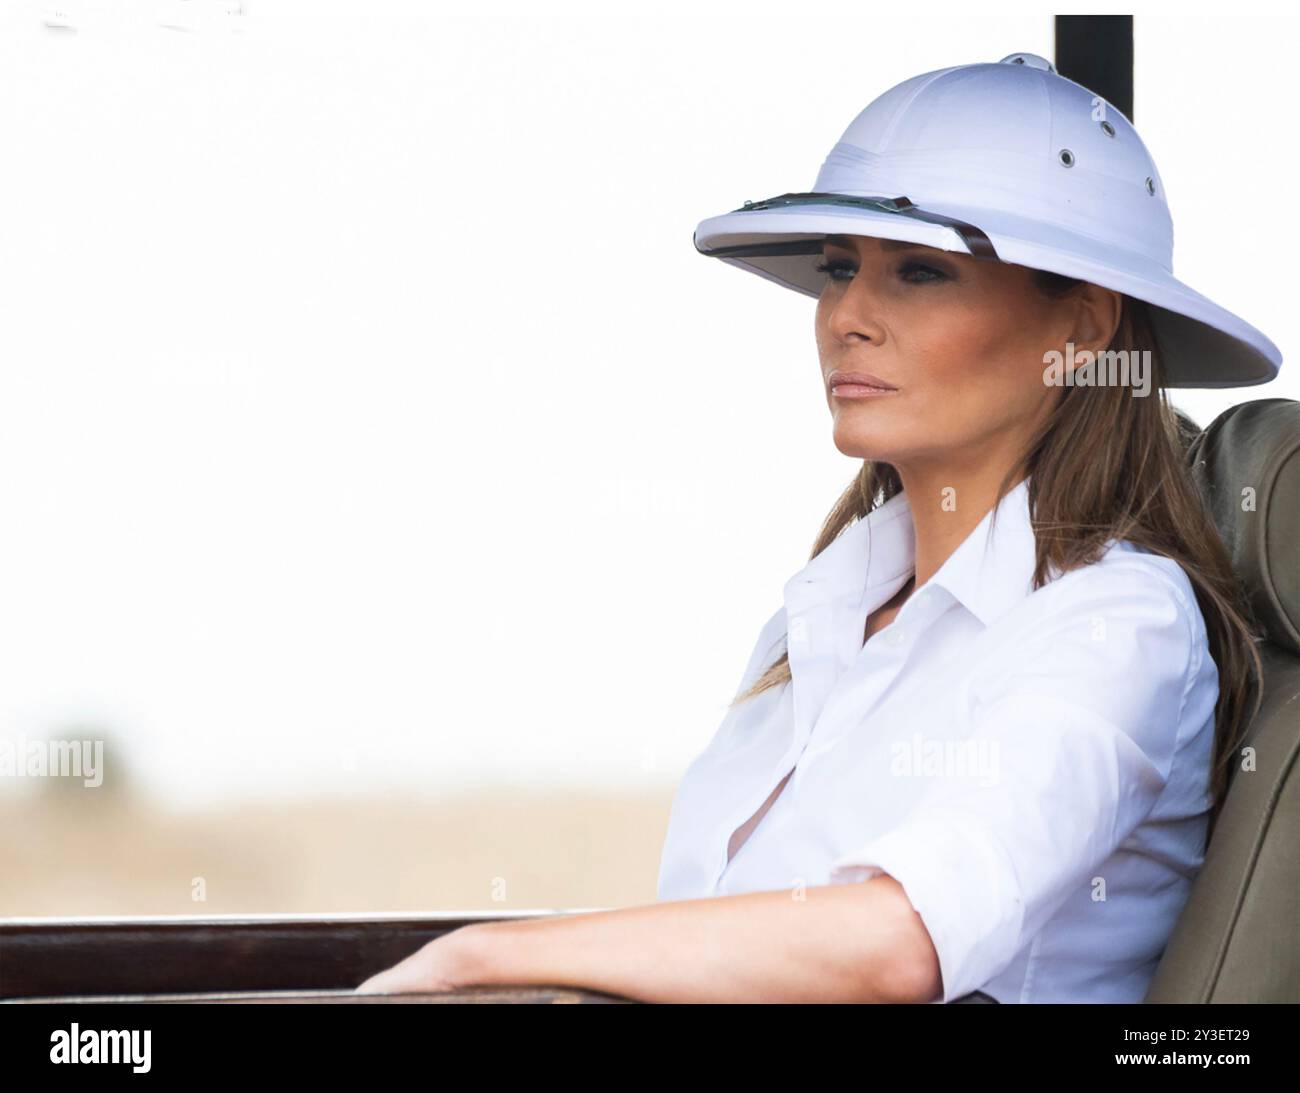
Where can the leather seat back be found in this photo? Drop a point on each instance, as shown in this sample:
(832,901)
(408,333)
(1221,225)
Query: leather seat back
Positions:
(1238,939)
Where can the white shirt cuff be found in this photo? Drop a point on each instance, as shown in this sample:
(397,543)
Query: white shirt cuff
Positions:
(934,858)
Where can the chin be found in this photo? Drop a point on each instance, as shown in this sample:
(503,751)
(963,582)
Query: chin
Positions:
(866,450)
(863,442)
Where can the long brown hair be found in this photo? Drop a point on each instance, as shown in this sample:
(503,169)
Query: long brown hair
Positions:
(1136,485)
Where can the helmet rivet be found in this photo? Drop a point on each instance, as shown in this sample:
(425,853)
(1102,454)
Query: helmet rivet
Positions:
(1151,187)
(747,204)
(1107,128)
(1067,157)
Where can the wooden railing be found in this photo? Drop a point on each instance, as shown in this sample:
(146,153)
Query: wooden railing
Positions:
(255,959)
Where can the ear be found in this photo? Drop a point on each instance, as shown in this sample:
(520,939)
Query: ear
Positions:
(1095,318)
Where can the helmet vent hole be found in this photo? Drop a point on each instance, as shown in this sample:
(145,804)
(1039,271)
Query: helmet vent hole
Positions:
(1151,187)
(1067,157)
(1107,128)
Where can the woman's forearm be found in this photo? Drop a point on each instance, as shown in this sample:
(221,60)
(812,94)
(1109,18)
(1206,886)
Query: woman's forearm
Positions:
(849,942)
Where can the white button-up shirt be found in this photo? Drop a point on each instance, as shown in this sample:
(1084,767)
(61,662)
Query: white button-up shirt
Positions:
(1031,766)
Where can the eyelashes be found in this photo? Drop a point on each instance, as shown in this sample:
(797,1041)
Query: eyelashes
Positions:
(911,271)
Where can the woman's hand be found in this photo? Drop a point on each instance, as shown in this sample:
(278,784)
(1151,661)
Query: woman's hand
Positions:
(440,965)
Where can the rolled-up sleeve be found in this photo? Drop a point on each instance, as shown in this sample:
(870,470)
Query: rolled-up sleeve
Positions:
(1080,715)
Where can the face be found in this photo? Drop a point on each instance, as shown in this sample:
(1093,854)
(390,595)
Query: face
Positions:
(959,340)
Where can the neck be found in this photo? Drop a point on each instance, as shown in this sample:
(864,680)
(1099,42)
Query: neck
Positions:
(946,507)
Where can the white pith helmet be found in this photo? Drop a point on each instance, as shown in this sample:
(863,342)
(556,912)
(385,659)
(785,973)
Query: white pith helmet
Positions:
(1012,162)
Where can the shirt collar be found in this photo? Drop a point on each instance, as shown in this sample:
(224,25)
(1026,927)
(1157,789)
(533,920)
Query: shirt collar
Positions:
(989,573)
(992,569)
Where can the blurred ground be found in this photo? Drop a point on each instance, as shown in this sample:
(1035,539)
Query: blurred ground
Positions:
(87,853)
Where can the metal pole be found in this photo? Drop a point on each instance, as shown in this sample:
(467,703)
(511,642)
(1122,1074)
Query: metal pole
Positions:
(1097,52)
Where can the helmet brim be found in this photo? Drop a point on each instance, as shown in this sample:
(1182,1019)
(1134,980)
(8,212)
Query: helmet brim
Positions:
(1202,345)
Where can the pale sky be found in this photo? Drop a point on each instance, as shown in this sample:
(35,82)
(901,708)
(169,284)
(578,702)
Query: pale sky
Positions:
(367,417)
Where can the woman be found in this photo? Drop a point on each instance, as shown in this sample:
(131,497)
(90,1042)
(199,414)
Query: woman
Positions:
(981,745)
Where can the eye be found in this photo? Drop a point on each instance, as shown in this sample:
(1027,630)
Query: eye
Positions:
(918,273)
(833,269)
(909,270)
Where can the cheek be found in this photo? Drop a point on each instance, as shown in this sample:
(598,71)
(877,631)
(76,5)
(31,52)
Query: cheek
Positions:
(976,366)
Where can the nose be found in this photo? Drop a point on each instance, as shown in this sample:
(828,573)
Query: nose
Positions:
(851,309)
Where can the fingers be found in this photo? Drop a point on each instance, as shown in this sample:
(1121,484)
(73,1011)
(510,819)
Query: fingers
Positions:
(384,982)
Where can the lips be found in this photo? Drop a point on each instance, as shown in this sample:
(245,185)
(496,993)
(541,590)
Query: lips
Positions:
(860,379)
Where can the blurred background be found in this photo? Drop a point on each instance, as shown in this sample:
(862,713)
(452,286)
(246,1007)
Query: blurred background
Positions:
(377,487)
